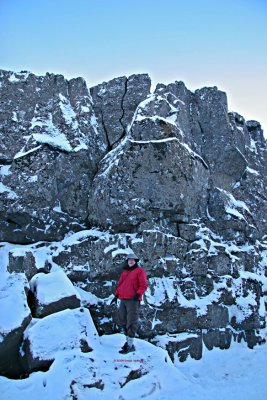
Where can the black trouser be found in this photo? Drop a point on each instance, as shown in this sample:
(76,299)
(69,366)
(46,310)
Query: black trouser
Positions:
(128,315)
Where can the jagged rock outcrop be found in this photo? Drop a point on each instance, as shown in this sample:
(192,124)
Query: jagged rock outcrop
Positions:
(170,175)
(115,103)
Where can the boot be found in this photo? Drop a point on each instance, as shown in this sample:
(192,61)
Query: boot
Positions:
(127,349)
(124,346)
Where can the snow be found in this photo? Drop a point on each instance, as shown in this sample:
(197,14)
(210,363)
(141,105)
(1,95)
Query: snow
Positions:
(78,237)
(112,156)
(52,287)
(12,287)
(51,134)
(252,171)
(234,212)
(121,252)
(33,179)
(232,202)
(85,109)
(13,78)
(14,117)
(194,154)
(162,288)
(5,189)
(208,241)
(168,288)
(4,170)
(171,120)
(68,113)
(22,76)
(81,146)
(163,340)
(88,298)
(94,123)
(171,139)
(58,140)
(234,374)
(253,146)
(110,247)
(142,110)
(23,153)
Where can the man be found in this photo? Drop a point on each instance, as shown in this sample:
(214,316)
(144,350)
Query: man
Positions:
(131,286)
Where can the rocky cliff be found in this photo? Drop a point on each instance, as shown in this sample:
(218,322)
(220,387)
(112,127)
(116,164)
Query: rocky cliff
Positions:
(88,174)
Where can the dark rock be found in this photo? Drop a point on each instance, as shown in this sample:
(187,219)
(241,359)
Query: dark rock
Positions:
(133,374)
(188,231)
(50,202)
(154,128)
(216,317)
(217,338)
(145,186)
(191,345)
(115,103)
(220,264)
(229,217)
(254,338)
(254,129)
(26,263)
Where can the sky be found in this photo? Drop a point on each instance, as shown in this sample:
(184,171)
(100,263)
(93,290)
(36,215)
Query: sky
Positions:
(219,43)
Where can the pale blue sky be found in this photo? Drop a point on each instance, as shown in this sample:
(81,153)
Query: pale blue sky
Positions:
(201,42)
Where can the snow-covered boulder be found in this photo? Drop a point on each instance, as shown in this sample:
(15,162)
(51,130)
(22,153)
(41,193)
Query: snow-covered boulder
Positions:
(15,315)
(51,293)
(68,330)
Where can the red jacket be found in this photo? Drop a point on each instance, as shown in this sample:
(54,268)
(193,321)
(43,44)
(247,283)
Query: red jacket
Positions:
(132,281)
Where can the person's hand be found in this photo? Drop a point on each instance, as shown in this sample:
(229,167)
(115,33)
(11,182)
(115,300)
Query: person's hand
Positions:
(135,297)
(114,300)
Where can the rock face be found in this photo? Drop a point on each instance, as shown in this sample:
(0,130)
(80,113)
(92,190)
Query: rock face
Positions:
(157,180)
(172,176)
(115,103)
(50,147)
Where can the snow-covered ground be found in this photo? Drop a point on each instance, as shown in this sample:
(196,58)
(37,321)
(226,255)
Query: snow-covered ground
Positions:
(238,373)
(235,374)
